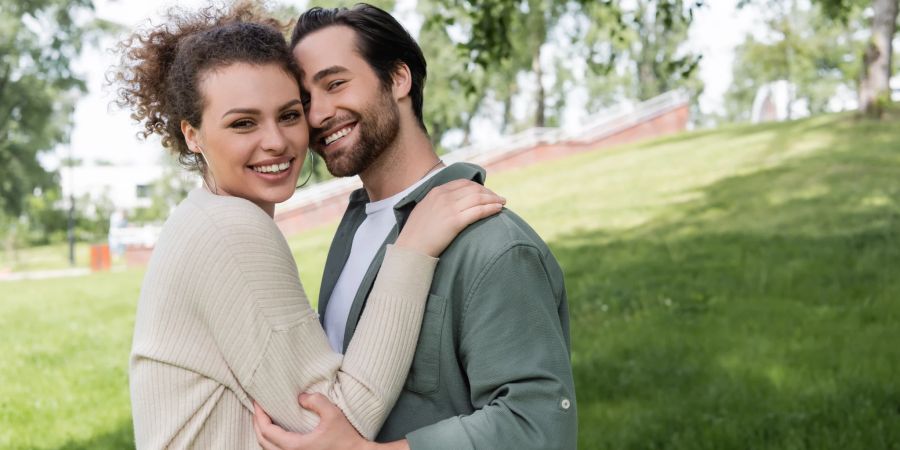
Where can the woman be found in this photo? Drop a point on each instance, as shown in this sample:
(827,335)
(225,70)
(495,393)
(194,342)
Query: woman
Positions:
(222,320)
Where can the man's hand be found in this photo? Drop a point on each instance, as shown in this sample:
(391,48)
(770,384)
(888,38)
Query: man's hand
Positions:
(333,431)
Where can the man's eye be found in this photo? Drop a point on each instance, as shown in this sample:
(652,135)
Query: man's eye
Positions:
(335,84)
(243,123)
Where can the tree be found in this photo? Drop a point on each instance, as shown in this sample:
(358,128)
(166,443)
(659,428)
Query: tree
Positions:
(455,89)
(516,32)
(654,52)
(874,84)
(39,39)
(800,46)
(514,40)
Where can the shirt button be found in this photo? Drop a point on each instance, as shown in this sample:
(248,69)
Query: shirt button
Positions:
(565,403)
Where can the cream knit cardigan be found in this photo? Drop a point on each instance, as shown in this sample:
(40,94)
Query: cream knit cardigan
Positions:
(222,320)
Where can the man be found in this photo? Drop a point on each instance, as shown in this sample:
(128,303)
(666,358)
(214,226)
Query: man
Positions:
(492,367)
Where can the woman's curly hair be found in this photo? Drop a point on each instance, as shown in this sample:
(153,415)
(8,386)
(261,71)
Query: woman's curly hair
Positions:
(161,66)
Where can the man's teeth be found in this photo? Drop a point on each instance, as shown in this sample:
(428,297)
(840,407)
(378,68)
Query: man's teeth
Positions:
(337,135)
(272,168)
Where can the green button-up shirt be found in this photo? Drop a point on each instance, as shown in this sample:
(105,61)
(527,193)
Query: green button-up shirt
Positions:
(492,367)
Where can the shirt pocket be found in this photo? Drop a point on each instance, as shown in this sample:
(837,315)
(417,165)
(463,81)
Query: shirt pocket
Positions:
(425,371)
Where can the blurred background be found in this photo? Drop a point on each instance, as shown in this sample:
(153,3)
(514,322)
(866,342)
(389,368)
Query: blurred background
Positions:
(720,181)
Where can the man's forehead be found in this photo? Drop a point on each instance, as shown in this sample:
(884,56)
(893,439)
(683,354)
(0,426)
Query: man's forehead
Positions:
(325,50)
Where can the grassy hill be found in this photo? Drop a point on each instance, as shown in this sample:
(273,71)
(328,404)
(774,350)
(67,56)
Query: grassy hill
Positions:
(729,289)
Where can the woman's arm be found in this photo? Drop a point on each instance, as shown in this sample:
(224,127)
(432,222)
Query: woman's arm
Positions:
(272,340)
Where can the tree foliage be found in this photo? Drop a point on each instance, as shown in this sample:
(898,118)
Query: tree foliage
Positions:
(802,46)
(651,51)
(39,39)
(544,49)
(874,55)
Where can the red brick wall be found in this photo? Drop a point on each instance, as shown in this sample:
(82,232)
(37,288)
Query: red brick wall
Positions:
(668,123)
(309,216)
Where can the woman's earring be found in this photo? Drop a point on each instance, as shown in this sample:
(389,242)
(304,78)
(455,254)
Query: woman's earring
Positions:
(312,168)
(215,188)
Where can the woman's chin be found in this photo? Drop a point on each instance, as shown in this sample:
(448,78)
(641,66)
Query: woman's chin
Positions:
(283,193)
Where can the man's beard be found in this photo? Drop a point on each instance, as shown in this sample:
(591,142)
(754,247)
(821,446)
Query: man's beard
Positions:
(377,125)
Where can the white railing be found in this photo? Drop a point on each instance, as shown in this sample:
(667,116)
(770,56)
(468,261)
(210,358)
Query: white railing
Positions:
(595,127)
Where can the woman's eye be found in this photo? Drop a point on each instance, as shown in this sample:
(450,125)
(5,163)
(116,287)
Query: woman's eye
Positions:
(244,123)
(291,116)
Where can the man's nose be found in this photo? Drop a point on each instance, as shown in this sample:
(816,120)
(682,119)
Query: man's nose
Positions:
(321,109)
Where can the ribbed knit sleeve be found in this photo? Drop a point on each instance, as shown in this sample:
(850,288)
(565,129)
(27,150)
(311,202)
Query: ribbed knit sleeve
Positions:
(375,366)
(223,320)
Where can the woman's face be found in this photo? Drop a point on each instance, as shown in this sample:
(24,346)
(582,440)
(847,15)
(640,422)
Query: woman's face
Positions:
(253,135)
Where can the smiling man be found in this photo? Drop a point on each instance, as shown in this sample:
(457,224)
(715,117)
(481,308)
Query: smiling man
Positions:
(492,366)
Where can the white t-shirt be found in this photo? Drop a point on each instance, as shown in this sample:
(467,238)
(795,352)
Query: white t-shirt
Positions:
(379,221)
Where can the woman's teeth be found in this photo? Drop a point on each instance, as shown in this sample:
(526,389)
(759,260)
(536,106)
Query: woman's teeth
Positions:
(337,135)
(273,168)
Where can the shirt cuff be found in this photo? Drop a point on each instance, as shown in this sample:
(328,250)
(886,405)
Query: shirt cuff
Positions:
(405,273)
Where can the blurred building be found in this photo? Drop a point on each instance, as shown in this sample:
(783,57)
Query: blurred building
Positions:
(774,102)
(122,189)
(125,187)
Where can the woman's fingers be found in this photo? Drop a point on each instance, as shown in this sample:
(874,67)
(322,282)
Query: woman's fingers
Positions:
(477,212)
(458,188)
(445,212)
(475,201)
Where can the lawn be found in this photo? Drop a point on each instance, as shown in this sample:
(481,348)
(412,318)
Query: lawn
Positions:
(45,257)
(729,289)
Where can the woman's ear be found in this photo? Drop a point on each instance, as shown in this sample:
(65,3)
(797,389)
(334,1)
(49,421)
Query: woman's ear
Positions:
(191,136)
(401,81)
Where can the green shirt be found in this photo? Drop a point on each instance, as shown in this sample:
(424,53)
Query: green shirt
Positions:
(492,367)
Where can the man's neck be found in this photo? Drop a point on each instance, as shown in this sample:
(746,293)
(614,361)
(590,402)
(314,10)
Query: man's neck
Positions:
(407,161)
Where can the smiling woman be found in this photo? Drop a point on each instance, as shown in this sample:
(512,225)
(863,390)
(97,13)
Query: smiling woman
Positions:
(253,151)
(222,320)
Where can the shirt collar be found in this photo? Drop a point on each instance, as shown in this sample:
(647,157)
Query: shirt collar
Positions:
(452,172)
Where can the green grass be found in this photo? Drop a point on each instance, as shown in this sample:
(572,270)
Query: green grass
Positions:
(64,364)
(729,289)
(45,257)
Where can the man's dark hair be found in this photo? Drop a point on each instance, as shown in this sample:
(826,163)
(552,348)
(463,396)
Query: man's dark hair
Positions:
(380,39)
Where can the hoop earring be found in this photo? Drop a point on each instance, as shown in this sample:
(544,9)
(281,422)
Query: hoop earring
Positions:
(215,187)
(312,168)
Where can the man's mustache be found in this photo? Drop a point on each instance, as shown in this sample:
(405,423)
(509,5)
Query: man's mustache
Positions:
(318,133)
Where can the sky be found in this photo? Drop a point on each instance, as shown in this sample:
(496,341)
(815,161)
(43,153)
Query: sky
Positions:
(103,132)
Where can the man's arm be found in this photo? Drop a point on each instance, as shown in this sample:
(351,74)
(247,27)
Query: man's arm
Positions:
(515,354)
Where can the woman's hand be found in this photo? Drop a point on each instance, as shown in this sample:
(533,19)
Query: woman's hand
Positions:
(332,432)
(444,213)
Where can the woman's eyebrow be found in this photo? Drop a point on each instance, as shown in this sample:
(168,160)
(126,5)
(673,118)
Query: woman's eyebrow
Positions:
(251,111)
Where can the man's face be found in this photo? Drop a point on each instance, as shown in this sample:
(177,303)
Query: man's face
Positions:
(352,117)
